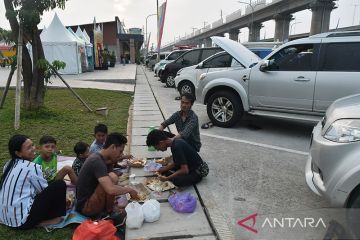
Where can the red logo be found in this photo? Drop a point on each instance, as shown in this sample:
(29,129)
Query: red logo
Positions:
(248,227)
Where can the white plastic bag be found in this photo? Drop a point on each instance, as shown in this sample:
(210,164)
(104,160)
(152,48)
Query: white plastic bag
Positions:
(151,210)
(135,216)
(152,166)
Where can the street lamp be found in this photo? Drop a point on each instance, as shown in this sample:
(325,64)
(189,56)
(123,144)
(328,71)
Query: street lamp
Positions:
(146,36)
(293,25)
(252,6)
(194,28)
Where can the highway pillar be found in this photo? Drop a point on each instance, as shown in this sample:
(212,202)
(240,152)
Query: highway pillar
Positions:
(132,51)
(320,20)
(255,35)
(282,22)
(234,34)
(207,42)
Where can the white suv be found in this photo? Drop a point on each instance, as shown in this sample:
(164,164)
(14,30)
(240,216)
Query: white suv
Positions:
(298,80)
(186,79)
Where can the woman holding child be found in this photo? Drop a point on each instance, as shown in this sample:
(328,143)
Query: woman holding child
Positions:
(26,199)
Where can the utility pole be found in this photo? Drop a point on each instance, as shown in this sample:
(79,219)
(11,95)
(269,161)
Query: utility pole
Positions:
(193,28)
(355,7)
(205,24)
(158,30)
(18,79)
(146,36)
(252,7)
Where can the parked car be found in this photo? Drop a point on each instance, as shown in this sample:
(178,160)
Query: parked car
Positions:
(171,57)
(262,49)
(153,59)
(186,79)
(298,80)
(333,167)
(189,58)
(261,52)
(147,58)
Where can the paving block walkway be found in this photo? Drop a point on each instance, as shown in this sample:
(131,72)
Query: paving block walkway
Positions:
(119,78)
(172,225)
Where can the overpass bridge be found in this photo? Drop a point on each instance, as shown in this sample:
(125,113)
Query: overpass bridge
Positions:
(279,10)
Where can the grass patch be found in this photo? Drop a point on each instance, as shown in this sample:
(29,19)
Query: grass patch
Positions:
(66,119)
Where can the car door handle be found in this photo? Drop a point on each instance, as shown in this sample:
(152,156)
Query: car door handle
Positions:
(302,79)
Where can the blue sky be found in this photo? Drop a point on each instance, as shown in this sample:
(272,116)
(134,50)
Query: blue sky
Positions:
(182,15)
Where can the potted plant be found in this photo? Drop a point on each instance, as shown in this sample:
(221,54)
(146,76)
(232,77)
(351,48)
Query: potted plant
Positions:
(112,59)
(105,59)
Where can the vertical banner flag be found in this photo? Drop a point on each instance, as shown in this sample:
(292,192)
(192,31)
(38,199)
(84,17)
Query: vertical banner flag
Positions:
(162,11)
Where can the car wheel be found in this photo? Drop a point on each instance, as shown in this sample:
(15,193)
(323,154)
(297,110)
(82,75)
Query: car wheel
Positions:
(170,81)
(187,87)
(353,214)
(224,109)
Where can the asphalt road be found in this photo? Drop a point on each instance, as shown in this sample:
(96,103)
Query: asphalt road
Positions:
(256,167)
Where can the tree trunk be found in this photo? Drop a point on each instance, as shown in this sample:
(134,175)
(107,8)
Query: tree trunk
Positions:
(36,92)
(33,77)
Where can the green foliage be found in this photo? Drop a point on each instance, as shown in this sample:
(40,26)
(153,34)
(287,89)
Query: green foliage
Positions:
(66,119)
(30,11)
(106,57)
(112,59)
(48,68)
(5,36)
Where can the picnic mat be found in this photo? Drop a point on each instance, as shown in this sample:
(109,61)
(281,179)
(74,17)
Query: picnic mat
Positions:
(71,217)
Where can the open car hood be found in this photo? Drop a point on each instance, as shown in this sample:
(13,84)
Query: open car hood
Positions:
(237,51)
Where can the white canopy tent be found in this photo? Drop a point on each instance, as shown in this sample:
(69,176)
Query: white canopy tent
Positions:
(86,35)
(60,44)
(83,50)
(89,48)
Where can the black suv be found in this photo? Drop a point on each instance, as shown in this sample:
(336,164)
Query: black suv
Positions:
(189,58)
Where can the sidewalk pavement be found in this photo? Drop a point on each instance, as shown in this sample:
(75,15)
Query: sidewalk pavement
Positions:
(172,225)
(119,78)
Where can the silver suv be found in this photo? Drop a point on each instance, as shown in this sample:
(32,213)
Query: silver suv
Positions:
(333,166)
(298,80)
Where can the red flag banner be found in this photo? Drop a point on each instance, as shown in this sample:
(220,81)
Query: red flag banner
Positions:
(162,11)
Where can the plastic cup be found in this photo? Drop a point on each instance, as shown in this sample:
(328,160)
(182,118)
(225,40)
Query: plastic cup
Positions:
(132,179)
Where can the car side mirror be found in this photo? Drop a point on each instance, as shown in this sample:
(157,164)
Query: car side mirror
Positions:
(200,65)
(264,66)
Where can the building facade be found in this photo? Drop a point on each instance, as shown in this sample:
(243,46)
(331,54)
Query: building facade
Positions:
(116,38)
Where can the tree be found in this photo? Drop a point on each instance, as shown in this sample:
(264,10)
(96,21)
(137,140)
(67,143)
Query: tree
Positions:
(5,36)
(30,12)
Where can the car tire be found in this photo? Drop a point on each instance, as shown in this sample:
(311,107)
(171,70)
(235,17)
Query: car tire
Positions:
(186,87)
(353,217)
(224,109)
(170,81)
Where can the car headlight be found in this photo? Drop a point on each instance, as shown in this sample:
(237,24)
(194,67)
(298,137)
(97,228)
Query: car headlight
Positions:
(344,131)
(202,76)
